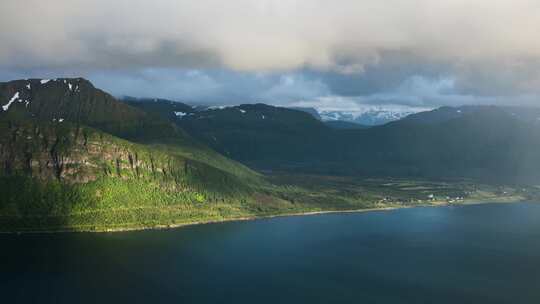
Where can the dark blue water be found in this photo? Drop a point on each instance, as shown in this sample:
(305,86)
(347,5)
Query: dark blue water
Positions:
(472,254)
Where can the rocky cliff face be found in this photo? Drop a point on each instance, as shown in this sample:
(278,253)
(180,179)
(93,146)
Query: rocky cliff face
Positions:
(66,129)
(76,154)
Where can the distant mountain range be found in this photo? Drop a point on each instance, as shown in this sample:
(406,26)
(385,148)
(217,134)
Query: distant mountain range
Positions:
(481,142)
(367,115)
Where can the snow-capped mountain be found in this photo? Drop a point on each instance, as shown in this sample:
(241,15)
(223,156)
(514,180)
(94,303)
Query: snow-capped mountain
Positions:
(369,118)
(369,115)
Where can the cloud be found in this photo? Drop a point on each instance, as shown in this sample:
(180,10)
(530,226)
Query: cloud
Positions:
(292,87)
(414,94)
(263,35)
(211,86)
(369,50)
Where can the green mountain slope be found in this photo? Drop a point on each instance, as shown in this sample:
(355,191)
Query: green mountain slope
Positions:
(73,157)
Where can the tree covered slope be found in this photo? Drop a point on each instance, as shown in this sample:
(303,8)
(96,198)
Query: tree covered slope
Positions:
(73,157)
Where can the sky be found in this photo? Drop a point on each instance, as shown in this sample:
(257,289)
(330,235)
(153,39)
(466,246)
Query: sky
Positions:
(338,54)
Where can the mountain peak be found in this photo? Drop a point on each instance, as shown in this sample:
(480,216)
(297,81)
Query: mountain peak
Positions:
(367,115)
(75,100)
(29,95)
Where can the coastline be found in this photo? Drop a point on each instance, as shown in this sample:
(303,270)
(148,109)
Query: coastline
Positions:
(499,200)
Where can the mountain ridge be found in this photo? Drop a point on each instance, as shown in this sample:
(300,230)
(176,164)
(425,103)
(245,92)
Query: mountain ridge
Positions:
(379,150)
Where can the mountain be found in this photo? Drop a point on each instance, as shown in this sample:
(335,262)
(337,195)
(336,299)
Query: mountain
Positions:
(529,115)
(79,102)
(485,143)
(368,115)
(335,124)
(344,125)
(488,144)
(444,114)
(86,161)
(265,132)
(308,110)
(161,107)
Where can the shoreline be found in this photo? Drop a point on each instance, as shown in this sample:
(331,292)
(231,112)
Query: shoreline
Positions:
(255,217)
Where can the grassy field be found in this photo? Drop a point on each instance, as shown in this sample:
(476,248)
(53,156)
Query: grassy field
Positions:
(337,192)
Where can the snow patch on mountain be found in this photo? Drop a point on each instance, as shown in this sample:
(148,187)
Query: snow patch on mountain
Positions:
(373,115)
(219,107)
(12,100)
(354,110)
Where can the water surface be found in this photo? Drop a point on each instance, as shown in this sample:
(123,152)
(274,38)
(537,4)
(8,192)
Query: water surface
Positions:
(471,254)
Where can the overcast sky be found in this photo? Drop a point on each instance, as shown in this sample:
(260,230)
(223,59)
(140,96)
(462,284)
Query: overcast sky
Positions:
(339,53)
